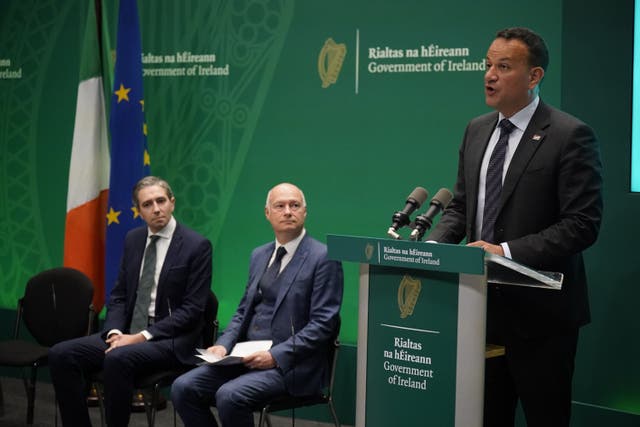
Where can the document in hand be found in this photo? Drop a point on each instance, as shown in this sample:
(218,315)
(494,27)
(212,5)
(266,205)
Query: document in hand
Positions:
(239,351)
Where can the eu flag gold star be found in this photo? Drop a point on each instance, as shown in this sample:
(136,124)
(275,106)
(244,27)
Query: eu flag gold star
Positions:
(123,93)
(147,158)
(136,213)
(112,216)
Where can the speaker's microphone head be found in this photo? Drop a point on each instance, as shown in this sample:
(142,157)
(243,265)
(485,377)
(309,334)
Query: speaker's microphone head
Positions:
(418,196)
(443,197)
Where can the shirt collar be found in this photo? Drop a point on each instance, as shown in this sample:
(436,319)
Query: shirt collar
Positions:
(292,245)
(167,231)
(522,118)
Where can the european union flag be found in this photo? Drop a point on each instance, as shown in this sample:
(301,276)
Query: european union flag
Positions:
(129,155)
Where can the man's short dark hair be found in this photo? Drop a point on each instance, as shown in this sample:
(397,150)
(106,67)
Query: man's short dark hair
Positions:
(538,52)
(148,181)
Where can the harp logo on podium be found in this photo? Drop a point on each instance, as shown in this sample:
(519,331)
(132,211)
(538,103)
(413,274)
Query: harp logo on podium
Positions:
(330,61)
(368,251)
(408,293)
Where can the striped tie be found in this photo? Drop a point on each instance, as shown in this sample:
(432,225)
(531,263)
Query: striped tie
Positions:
(493,185)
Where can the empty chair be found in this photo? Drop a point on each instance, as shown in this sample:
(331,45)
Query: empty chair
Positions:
(56,306)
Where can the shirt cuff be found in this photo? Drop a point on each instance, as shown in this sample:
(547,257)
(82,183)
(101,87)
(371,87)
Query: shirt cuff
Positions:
(114,331)
(146,335)
(507,251)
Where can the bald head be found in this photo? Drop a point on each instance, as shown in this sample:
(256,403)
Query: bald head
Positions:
(282,186)
(286,210)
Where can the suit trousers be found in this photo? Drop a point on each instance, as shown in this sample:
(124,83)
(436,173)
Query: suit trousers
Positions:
(538,372)
(234,390)
(71,362)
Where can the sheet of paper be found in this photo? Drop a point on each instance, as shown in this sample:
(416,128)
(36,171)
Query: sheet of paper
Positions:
(239,351)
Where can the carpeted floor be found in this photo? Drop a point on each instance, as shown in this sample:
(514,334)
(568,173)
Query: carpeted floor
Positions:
(15,410)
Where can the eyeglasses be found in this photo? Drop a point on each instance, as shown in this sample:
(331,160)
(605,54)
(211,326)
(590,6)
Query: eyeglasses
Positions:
(281,206)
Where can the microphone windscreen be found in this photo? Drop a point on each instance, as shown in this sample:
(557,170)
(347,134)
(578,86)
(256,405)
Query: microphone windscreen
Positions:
(443,197)
(419,195)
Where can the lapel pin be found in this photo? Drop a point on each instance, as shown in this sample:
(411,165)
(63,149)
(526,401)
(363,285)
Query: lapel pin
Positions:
(536,137)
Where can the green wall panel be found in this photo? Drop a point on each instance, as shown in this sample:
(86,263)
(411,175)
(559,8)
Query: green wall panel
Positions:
(357,147)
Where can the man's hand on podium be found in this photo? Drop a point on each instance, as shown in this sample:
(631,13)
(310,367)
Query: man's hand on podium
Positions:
(487,247)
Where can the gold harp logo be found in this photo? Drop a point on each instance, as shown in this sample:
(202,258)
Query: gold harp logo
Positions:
(408,293)
(368,251)
(330,61)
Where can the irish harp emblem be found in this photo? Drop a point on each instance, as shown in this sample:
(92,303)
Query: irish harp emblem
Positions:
(408,293)
(368,251)
(330,61)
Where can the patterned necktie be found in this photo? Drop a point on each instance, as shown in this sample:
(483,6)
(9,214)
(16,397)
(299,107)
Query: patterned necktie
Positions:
(493,185)
(140,318)
(272,272)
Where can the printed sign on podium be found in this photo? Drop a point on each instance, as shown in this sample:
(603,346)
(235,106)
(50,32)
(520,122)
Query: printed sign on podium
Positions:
(421,328)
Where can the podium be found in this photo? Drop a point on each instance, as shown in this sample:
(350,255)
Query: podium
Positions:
(421,328)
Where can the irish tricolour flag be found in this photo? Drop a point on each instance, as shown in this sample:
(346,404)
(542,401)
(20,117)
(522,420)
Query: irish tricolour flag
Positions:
(84,240)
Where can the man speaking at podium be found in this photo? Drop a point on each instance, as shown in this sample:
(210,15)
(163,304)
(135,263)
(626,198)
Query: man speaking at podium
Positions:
(292,298)
(529,188)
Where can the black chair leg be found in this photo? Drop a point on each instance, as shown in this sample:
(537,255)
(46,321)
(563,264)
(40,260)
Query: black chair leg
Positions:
(1,401)
(100,404)
(55,409)
(174,416)
(30,385)
(150,406)
(264,417)
(333,414)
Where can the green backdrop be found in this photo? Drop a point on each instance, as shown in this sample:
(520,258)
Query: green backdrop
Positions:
(357,147)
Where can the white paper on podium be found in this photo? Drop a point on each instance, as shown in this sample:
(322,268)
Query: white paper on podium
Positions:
(239,351)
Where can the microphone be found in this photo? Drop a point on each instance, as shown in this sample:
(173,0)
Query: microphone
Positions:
(401,218)
(424,221)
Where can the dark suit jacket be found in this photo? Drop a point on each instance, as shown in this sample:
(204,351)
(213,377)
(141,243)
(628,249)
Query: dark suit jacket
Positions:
(551,208)
(306,313)
(183,288)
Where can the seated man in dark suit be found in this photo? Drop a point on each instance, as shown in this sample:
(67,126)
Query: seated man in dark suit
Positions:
(293,298)
(154,314)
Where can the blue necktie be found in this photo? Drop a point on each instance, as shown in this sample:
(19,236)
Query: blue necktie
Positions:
(140,318)
(493,184)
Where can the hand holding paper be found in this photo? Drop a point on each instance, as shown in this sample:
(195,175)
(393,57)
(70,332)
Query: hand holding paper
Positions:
(239,352)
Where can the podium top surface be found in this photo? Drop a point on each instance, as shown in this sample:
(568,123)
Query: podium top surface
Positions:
(406,254)
(439,257)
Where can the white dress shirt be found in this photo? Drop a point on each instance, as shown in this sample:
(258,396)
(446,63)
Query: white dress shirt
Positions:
(520,120)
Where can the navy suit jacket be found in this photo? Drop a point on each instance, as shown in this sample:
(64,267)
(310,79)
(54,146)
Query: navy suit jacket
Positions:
(305,317)
(551,209)
(183,289)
